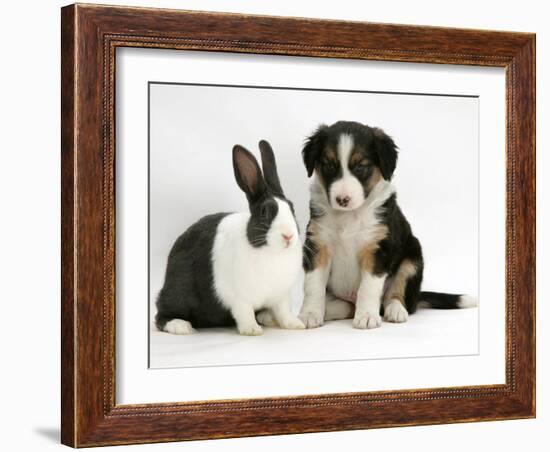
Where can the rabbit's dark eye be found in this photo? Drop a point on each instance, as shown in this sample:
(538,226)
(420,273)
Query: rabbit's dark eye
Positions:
(267,211)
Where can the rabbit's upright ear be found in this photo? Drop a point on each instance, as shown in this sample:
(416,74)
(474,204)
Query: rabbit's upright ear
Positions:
(269,167)
(248,174)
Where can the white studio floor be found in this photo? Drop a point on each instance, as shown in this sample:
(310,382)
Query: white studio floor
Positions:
(427,333)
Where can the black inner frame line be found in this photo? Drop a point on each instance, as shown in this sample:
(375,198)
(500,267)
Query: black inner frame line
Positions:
(328,90)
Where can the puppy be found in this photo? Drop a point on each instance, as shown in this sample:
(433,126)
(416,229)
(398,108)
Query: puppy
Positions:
(361,259)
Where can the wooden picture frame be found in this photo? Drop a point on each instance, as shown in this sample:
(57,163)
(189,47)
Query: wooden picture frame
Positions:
(90,35)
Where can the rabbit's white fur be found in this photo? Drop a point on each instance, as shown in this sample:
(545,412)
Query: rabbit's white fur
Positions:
(248,279)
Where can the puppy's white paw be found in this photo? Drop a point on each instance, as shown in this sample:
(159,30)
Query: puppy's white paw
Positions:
(179,326)
(395,312)
(367,321)
(311,319)
(292,323)
(250,330)
(266,318)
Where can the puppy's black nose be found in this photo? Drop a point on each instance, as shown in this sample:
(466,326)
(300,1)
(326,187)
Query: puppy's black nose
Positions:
(343,201)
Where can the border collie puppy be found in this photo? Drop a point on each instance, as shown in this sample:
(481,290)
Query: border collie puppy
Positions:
(360,256)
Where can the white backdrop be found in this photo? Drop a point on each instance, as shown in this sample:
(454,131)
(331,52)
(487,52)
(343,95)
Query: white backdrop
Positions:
(30,184)
(192,131)
(193,128)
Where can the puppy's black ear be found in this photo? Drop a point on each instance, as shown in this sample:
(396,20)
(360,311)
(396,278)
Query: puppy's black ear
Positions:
(386,151)
(269,167)
(313,147)
(248,174)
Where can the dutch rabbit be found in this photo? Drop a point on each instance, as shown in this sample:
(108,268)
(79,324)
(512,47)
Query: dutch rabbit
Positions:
(227,267)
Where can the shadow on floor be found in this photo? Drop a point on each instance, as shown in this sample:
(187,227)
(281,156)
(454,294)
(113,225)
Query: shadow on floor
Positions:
(50,433)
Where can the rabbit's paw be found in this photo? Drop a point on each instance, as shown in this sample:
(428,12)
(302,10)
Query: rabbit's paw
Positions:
(266,318)
(292,323)
(179,326)
(250,330)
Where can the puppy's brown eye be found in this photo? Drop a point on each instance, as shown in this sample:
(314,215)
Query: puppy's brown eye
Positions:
(330,167)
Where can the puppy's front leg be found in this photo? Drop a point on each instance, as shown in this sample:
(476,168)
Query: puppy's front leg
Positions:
(312,313)
(369,296)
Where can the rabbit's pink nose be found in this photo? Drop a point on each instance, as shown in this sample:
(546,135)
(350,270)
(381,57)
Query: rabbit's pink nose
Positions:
(287,237)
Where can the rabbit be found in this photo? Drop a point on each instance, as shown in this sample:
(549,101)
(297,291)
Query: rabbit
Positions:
(229,266)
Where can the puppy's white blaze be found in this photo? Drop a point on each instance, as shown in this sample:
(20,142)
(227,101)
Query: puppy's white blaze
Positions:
(348,185)
(467,301)
(345,145)
(284,223)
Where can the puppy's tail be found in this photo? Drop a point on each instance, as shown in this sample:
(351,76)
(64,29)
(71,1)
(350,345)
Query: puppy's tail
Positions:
(440,300)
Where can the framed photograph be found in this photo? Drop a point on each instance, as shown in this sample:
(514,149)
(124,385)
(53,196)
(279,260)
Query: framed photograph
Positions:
(282,225)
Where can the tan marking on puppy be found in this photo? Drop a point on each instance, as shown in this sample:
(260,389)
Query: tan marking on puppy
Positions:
(330,155)
(367,253)
(357,157)
(374,178)
(320,258)
(396,291)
